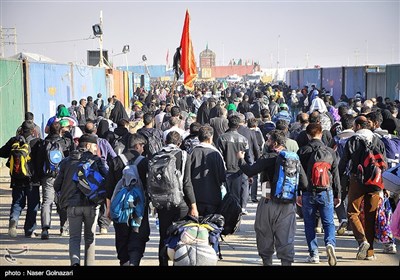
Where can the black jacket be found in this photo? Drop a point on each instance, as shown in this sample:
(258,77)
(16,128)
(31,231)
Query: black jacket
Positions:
(208,173)
(69,193)
(254,149)
(115,171)
(302,138)
(304,155)
(229,144)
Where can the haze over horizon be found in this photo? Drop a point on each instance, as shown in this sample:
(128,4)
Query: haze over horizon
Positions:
(293,33)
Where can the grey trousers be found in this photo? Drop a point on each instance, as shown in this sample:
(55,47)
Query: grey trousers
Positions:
(275,228)
(48,195)
(78,216)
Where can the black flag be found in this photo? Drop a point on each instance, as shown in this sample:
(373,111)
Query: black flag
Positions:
(177,63)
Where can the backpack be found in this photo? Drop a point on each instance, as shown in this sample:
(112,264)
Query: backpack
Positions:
(20,160)
(90,181)
(392,146)
(287,179)
(154,144)
(118,144)
(231,210)
(165,182)
(340,144)
(54,155)
(371,166)
(326,122)
(319,168)
(128,200)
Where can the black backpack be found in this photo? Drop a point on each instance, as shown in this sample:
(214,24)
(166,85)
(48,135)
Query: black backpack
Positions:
(54,155)
(231,210)
(154,143)
(119,144)
(371,165)
(165,182)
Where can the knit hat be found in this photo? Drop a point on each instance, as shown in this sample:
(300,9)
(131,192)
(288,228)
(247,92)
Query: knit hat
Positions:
(231,106)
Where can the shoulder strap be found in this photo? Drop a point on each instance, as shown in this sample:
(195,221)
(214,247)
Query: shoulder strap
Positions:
(138,160)
(124,159)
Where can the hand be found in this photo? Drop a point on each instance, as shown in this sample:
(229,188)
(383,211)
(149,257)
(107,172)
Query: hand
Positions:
(193,212)
(299,201)
(336,202)
(251,180)
(240,155)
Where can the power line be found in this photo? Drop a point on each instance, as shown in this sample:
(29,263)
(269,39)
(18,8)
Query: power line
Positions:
(61,41)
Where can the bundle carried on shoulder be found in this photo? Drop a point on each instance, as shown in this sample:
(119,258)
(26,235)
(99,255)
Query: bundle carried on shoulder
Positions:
(195,242)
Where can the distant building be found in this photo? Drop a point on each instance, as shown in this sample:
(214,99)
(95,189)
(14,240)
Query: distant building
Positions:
(207,58)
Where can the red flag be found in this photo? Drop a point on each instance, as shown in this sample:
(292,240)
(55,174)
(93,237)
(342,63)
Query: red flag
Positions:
(188,63)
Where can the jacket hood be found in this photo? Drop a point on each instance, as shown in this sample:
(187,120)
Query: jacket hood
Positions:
(129,176)
(366,134)
(318,104)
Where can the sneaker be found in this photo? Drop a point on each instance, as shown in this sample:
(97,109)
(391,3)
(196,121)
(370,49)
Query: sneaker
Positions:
(103,230)
(318,230)
(45,234)
(370,258)
(30,235)
(312,259)
(362,250)
(389,248)
(64,232)
(244,212)
(330,252)
(12,229)
(342,228)
(254,200)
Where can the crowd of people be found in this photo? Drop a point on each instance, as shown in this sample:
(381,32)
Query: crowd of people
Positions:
(230,137)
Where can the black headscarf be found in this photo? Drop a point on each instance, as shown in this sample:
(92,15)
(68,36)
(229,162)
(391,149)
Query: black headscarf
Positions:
(118,112)
(103,128)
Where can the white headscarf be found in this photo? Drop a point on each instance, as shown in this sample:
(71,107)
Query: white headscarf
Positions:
(318,104)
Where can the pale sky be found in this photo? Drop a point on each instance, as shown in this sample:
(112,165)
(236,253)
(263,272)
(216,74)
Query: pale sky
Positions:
(332,33)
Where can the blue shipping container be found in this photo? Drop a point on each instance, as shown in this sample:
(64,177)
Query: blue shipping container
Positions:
(293,79)
(155,71)
(355,80)
(393,81)
(332,81)
(308,77)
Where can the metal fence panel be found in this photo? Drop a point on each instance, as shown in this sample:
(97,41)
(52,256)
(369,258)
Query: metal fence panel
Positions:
(393,81)
(355,79)
(308,77)
(376,84)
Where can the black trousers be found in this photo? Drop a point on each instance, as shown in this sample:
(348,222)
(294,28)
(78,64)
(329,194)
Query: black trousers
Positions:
(166,217)
(131,245)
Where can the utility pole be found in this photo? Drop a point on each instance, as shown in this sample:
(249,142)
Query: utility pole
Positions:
(277,61)
(101,62)
(356,53)
(307,58)
(366,52)
(1,42)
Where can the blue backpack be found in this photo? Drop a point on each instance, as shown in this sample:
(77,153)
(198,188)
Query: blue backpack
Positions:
(287,180)
(392,146)
(90,181)
(128,200)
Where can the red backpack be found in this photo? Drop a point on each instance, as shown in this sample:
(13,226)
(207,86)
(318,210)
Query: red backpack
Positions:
(319,168)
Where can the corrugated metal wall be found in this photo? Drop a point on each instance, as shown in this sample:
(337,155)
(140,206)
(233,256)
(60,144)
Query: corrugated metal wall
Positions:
(82,83)
(119,91)
(224,71)
(376,84)
(99,82)
(308,77)
(131,85)
(355,79)
(293,79)
(332,81)
(11,98)
(126,88)
(393,81)
(48,86)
